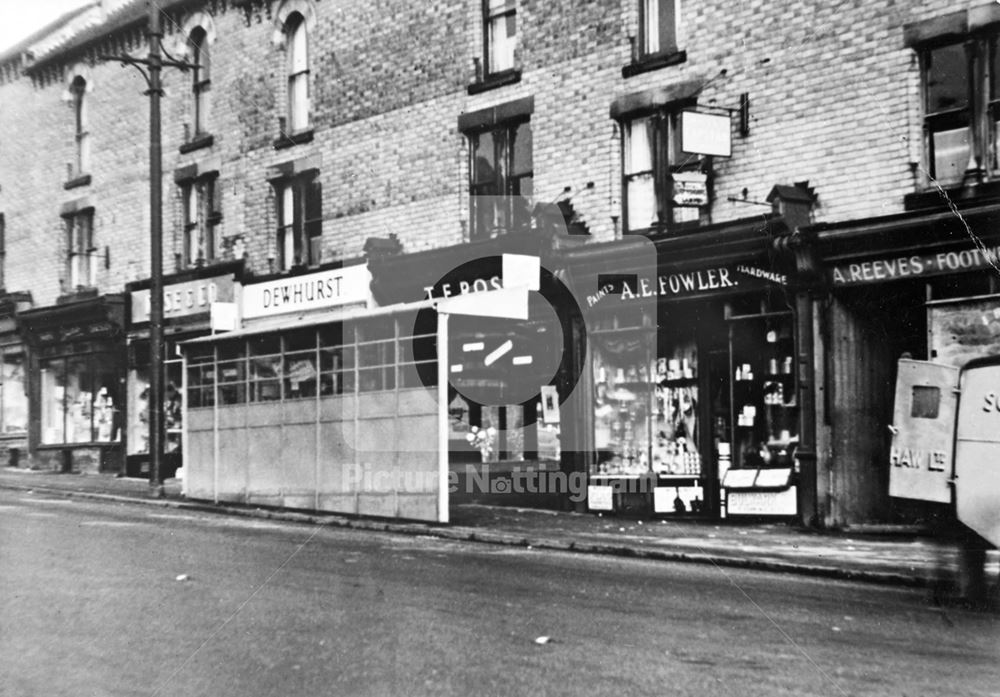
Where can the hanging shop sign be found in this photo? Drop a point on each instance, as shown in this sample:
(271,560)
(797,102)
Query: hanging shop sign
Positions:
(315,291)
(683,283)
(914,265)
(184,299)
(706,134)
(690,189)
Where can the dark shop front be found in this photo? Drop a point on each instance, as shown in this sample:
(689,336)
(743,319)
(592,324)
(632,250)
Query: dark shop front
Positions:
(75,380)
(693,375)
(923,285)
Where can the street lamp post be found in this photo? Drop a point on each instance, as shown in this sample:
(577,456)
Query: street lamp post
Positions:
(154,64)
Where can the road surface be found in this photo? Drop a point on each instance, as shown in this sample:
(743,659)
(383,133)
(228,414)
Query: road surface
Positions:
(115,599)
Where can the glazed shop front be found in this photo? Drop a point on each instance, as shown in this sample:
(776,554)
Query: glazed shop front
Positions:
(188,300)
(691,377)
(75,379)
(507,377)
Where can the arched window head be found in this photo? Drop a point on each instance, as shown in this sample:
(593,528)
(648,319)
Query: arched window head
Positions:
(78,91)
(200,57)
(297,46)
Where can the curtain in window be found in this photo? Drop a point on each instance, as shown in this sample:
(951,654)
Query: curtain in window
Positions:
(15,401)
(298,77)
(79,90)
(639,176)
(947,112)
(200,79)
(502,34)
(81,261)
(658,26)
(286,226)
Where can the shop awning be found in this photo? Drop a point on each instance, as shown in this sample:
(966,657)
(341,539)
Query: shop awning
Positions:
(272,324)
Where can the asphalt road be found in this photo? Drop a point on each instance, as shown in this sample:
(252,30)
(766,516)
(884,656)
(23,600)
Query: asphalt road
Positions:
(122,599)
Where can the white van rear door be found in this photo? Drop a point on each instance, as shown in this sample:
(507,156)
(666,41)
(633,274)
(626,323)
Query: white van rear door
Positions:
(923,431)
(977,451)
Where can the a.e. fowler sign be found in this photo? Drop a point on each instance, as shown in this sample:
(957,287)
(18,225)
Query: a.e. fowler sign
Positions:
(895,268)
(683,283)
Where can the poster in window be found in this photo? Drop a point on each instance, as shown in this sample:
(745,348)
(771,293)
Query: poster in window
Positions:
(550,404)
(963,330)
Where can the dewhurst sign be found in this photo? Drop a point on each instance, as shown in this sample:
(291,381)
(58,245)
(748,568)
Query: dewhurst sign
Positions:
(314,291)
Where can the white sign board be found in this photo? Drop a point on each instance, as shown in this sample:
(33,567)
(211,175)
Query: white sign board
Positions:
(508,303)
(522,270)
(762,502)
(225,317)
(706,134)
(315,291)
(600,497)
(675,499)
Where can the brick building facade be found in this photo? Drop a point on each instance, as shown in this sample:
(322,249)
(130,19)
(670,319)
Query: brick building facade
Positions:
(286,151)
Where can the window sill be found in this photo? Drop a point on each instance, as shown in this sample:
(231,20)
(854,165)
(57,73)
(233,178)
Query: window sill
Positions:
(287,140)
(666,229)
(491,82)
(78,294)
(82,180)
(935,198)
(197,143)
(654,62)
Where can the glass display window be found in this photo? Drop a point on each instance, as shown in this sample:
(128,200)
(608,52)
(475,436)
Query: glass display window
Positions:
(300,374)
(676,416)
(13,394)
(765,418)
(624,390)
(79,400)
(138,408)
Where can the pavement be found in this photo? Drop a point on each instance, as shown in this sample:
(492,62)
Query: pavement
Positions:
(896,556)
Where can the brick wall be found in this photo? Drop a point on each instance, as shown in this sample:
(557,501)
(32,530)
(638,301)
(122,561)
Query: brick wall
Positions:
(833,93)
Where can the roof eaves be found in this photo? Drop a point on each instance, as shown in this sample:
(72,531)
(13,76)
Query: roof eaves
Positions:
(21,46)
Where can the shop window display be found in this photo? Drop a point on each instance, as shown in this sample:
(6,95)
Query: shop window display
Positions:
(79,400)
(623,392)
(675,444)
(138,408)
(765,409)
(14,406)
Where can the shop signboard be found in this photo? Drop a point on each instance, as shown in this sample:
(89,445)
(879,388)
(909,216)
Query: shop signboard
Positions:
(706,134)
(685,283)
(914,265)
(349,285)
(185,299)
